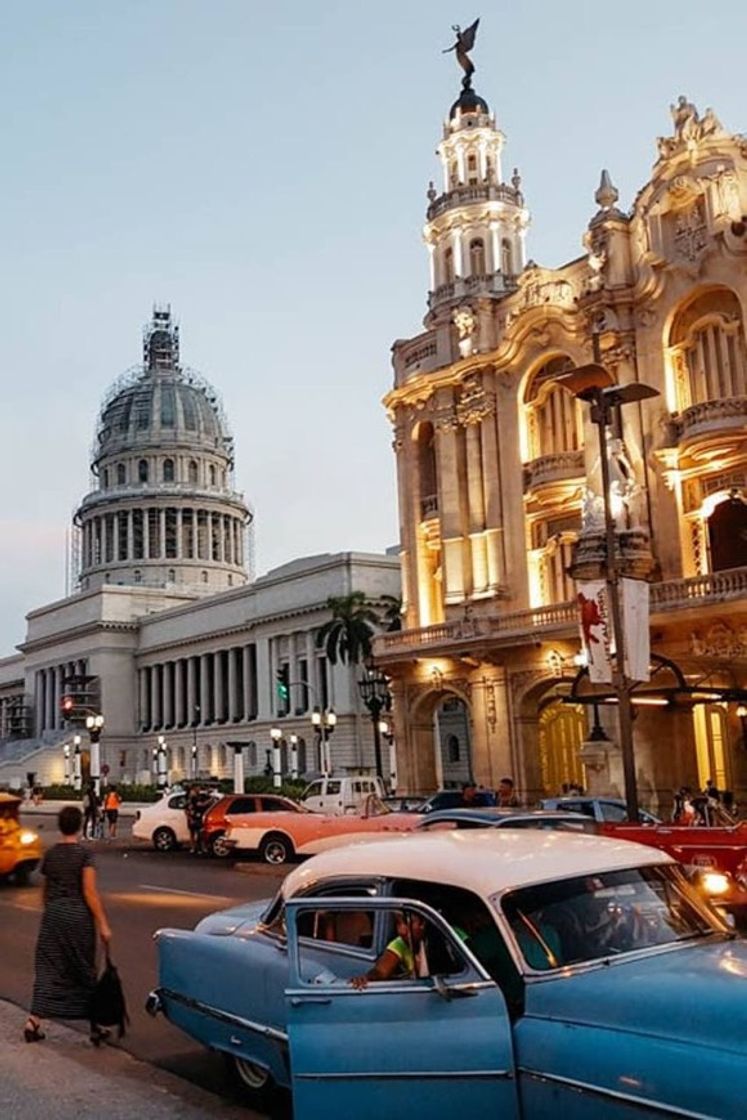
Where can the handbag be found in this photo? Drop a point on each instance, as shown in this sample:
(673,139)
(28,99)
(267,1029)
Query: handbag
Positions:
(108,1004)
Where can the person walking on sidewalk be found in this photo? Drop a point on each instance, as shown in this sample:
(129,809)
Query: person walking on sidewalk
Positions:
(90,812)
(112,805)
(65,962)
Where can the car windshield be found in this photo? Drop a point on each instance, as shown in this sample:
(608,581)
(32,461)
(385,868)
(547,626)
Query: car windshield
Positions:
(602,915)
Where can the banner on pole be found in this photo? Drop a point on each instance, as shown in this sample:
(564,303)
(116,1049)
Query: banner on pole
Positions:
(596,630)
(635,612)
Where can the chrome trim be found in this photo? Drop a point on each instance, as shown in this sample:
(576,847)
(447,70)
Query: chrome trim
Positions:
(409,986)
(225,1016)
(414,1075)
(644,1103)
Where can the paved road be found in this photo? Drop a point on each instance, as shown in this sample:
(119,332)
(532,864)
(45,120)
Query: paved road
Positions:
(143,891)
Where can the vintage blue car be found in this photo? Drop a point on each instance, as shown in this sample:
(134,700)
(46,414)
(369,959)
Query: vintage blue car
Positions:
(508,973)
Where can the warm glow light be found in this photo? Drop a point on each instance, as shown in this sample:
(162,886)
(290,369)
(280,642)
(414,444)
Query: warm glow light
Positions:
(742,711)
(276,734)
(581,659)
(650,701)
(715,882)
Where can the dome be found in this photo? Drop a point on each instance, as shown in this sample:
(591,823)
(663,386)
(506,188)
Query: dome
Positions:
(170,408)
(468,102)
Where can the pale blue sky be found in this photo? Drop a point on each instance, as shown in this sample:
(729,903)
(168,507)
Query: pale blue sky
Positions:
(263,167)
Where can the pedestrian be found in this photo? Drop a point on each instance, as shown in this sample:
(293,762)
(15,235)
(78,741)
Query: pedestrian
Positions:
(65,962)
(112,805)
(474,798)
(507,798)
(196,807)
(90,811)
(711,790)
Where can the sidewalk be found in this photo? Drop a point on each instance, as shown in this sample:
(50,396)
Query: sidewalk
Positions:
(66,1078)
(52,808)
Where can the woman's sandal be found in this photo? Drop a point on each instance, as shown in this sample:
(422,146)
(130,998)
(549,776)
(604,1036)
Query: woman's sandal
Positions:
(99,1035)
(32,1032)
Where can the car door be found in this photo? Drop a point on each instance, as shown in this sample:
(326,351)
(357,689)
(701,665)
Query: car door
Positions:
(441,1044)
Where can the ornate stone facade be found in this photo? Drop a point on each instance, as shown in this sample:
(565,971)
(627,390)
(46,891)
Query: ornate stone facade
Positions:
(499,470)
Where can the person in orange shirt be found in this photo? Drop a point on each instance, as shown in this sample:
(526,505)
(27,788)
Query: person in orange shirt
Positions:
(112,803)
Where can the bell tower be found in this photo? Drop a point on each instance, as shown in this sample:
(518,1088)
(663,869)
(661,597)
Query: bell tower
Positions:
(475,227)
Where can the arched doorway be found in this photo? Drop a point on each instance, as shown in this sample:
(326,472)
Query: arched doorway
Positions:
(562,730)
(452,742)
(727,535)
(712,745)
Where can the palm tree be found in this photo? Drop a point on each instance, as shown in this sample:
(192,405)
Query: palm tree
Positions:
(349,632)
(390,616)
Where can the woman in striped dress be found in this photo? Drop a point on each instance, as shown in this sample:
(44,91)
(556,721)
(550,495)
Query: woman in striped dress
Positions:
(66,947)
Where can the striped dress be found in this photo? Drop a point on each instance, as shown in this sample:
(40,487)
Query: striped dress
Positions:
(66,948)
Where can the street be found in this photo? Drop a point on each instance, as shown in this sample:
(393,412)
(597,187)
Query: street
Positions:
(142,891)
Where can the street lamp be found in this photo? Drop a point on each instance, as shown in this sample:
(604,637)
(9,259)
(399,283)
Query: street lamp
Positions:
(374,690)
(593,384)
(195,721)
(386,731)
(66,762)
(324,724)
(293,739)
(276,735)
(162,775)
(94,726)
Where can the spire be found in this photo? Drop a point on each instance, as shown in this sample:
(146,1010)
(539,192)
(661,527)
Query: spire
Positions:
(607,193)
(161,341)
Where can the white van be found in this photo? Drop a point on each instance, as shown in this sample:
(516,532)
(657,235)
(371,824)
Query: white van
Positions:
(345,794)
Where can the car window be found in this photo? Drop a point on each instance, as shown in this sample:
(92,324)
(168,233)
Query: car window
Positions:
(612,812)
(354,928)
(313,790)
(272,804)
(437,826)
(584,807)
(241,805)
(333,788)
(179,802)
(595,916)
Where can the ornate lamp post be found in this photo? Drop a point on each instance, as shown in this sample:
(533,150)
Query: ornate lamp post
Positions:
(66,762)
(593,384)
(94,726)
(386,731)
(276,735)
(293,739)
(195,721)
(162,772)
(324,724)
(374,690)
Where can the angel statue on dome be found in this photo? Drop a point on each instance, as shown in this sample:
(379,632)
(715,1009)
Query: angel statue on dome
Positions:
(465,41)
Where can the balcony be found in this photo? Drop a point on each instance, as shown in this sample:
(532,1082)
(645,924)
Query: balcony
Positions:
(488,283)
(553,468)
(473,193)
(556,620)
(708,417)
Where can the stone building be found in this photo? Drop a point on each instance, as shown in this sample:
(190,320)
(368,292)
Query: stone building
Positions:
(498,469)
(167,633)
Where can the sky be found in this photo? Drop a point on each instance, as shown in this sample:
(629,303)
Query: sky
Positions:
(263,169)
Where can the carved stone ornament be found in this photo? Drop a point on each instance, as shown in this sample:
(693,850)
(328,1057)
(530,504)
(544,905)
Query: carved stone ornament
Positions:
(690,129)
(690,232)
(720,640)
(474,404)
(539,291)
(465,321)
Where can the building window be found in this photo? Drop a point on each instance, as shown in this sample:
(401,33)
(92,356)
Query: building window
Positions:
(707,350)
(193,472)
(168,470)
(427,484)
(171,575)
(142,470)
(121,474)
(477,257)
(452,748)
(449,266)
(204,577)
(711,738)
(553,414)
(105,479)
(727,535)
(211,474)
(137,576)
(507,258)
(562,729)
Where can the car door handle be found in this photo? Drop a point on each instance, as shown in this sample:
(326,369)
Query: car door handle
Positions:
(299,1001)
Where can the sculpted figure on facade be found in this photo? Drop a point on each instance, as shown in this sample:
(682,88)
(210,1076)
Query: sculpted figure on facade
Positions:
(465,321)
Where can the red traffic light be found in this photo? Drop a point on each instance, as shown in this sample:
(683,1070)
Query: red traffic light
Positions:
(67,703)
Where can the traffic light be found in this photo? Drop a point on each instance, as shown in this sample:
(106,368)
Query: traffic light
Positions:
(282,688)
(67,706)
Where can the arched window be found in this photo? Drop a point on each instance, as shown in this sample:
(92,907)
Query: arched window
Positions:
(554,416)
(727,535)
(507,258)
(562,729)
(121,474)
(137,576)
(472,169)
(193,472)
(105,479)
(171,575)
(454,175)
(211,474)
(449,266)
(711,745)
(452,747)
(707,350)
(551,556)
(142,470)
(168,470)
(204,577)
(427,478)
(477,257)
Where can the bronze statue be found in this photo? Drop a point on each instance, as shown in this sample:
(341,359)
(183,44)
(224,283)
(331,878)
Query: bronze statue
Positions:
(464,43)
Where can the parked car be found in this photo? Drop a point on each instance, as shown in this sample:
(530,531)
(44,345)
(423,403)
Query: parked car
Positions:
(442,799)
(507,818)
(279,835)
(20,848)
(164,823)
(600,808)
(235,809)
(341,793)
(599,983)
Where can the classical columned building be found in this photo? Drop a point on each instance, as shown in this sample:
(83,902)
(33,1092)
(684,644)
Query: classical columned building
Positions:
(498,468)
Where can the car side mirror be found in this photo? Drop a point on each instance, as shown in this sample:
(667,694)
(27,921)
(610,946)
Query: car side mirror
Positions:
(448,993)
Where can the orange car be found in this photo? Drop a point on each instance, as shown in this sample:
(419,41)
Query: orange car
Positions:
(280,835)
(236,808)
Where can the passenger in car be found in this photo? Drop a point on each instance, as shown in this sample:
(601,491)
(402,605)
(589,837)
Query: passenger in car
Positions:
(404,956)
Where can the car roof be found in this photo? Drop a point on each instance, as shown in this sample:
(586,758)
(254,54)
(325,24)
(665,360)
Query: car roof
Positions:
(491,815)
(485,860)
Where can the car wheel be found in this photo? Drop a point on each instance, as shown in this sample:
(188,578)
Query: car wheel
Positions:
(164,840)
(21,875)
(275,848)
(218,846)
(254,1083)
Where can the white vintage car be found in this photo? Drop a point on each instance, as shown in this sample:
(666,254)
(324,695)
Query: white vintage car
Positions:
(524,974)
(164,823)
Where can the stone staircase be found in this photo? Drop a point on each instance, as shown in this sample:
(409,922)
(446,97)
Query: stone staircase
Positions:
(42,755)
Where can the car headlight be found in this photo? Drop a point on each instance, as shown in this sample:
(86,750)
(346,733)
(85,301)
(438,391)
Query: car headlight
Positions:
(28,837)
(715,882)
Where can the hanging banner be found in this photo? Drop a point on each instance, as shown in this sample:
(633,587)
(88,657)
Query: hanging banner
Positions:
(596,630)
(635,612)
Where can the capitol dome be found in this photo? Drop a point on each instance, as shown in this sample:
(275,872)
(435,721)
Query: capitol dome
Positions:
(163,511)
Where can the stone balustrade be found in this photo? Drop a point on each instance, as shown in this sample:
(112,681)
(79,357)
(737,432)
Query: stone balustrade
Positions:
(729,412)
(473,193)
(553,468)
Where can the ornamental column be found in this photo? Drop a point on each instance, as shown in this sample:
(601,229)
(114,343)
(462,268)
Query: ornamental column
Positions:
(219,713)
(206,709)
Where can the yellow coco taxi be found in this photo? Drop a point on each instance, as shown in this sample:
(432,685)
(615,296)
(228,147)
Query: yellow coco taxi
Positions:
(20,848)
